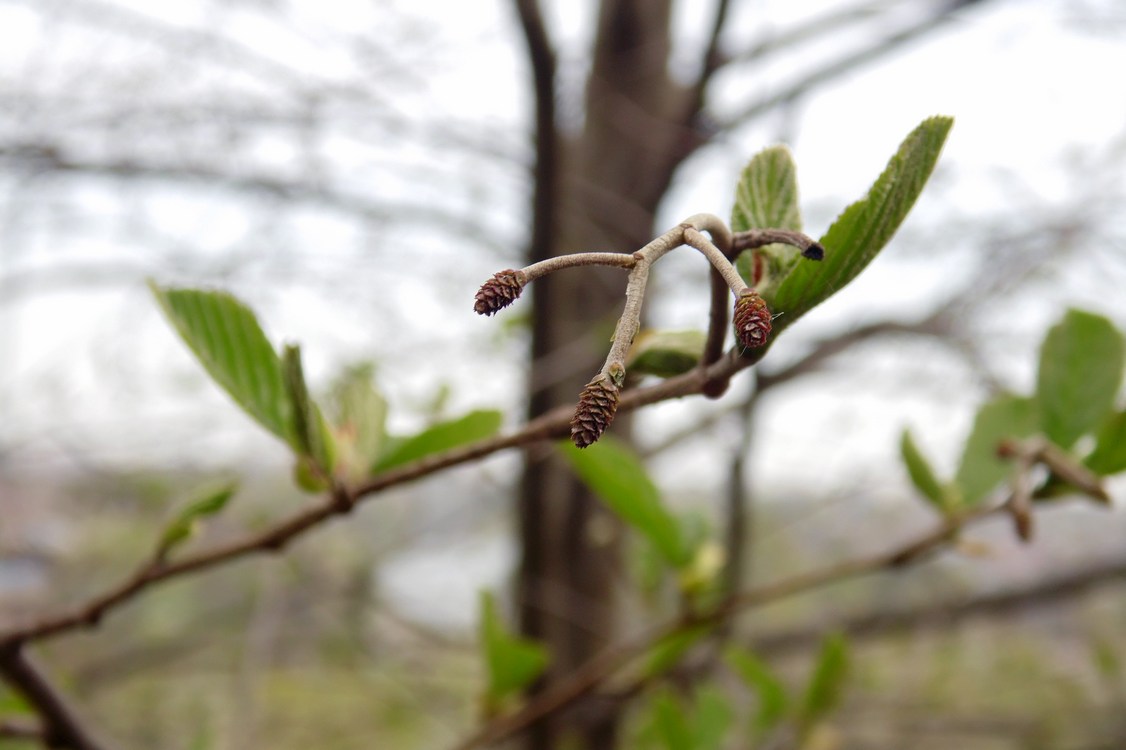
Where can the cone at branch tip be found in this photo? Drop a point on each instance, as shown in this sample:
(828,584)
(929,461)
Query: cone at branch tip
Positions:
(752,320)
(499,292)
(595,412)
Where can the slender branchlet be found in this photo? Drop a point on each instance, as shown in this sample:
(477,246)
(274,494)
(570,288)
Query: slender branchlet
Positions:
(598,401)
(753,238)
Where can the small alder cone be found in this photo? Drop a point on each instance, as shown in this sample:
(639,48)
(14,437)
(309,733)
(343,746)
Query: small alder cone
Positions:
(499,292)
(595,412)
(752,320)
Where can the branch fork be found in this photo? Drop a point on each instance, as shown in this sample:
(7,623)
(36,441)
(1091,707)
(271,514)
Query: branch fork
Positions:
(599,399)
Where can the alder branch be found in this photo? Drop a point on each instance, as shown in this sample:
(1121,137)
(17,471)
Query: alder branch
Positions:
(554,424)
(16,729)
(848,62)
(590,676)
(61,727)
(945,614)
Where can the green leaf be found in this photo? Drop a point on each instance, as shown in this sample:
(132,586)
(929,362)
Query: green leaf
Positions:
(311,433)
(865,227)
(617,476)
(665,353)
(476,425)
(767,198)
(665,654)
(205,502)
(670,720)
(1005,417)
(227,340)
(826,685)
(1081,366)
(922,475)
(773,700)
(511,662)
(1109,455)
(359,414)
(711,718)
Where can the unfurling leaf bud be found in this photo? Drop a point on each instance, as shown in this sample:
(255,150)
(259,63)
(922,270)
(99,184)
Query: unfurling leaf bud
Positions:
(595,412)
(752,319)
(499,292)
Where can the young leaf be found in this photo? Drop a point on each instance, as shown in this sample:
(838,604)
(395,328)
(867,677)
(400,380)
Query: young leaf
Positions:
(773,700)
(865,227)
(665,654)
(1109,455)
(617,476)
(205,502)
(826,685)
(1081,366)
(767,198)
(670,720)
(711,718)
(511,662)
(665,353)
(227,340)
(476,425)
(981,470)
(921,473)
(311,433)
(359,413)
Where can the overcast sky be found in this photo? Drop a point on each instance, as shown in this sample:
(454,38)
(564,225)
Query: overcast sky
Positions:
(1029,88)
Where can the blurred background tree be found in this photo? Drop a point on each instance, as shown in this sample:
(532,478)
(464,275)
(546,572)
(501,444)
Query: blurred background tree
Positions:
(313,156)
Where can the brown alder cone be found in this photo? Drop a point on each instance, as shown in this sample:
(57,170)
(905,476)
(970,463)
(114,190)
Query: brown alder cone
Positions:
(752,320)
(595,412)
(499,292)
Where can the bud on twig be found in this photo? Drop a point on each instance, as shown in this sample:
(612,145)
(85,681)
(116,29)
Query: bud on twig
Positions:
(752,319)
(595,412)
(499,292)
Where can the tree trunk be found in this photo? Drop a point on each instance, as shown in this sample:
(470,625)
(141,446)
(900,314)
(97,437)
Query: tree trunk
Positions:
(606,183)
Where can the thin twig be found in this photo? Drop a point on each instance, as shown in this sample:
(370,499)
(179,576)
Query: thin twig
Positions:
(589,676)
(18,729)
(552,425)
(61,727)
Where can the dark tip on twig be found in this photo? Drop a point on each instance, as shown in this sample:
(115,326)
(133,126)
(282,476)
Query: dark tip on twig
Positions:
(499,292)
(816,251)
(595,412)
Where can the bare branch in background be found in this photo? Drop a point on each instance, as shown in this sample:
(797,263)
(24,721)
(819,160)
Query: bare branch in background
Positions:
(61,726)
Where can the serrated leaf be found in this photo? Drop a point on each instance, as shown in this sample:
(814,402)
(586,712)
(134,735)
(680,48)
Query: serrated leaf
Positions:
(205,502)
(311,433)
(476,425)
(665,353)
(773,700)
(1081,364)
(921,473)
(767,198)
(225,336)
(359,415)
(865,227)
(826,685)
(511,662)
(1002,418)
(619,478)
(1109,455)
